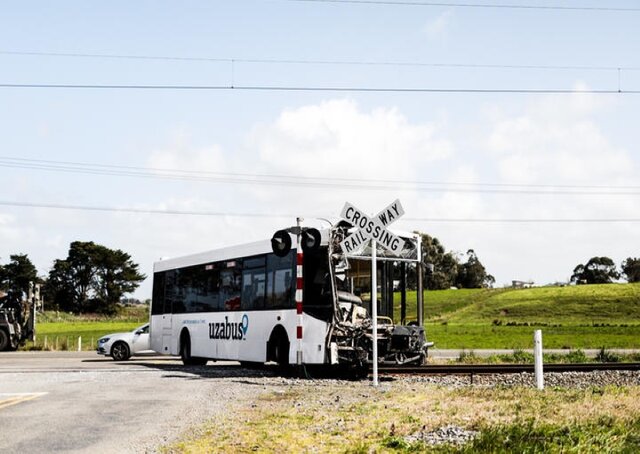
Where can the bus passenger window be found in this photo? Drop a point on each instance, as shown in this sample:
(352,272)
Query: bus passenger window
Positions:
(230,287)
(253,289)
(211,290)
(157,301)
(172,297)
(280,281)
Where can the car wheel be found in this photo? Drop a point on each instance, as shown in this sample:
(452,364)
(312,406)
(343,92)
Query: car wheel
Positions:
(120,351)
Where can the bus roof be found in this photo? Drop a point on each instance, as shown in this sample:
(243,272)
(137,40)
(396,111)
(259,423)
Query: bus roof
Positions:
(237,251)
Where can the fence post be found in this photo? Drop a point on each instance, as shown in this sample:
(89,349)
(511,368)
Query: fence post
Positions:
(537,352)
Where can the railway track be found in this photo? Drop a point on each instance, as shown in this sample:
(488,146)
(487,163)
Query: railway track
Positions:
(467,369)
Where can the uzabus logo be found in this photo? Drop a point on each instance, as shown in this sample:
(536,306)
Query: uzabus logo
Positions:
(229,330)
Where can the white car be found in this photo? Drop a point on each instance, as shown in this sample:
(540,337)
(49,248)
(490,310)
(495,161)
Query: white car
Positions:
(121,346)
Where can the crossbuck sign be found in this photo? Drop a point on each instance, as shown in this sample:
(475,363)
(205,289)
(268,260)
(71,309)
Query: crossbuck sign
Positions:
(372,228)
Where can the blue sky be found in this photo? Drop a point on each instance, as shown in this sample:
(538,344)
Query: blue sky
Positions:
(546,139)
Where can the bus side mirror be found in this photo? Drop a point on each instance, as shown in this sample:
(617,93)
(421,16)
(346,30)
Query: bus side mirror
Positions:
(310,240)
(281,243)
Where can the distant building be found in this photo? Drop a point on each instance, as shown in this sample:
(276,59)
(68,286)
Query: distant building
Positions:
(521,284)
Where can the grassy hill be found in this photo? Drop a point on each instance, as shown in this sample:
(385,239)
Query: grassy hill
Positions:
(588,316)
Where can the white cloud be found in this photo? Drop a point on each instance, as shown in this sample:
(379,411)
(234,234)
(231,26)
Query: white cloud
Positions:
(557,141)
(336,139)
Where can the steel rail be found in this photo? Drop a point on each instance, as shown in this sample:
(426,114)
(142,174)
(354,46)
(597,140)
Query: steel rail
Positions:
(464,369)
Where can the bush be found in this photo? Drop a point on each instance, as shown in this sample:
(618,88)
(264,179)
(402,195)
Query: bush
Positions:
(605,356)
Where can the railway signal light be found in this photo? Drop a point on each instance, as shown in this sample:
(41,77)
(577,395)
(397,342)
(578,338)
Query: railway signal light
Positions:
(310,240)
(281,243)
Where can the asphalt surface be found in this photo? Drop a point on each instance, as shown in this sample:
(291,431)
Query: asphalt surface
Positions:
(82,403)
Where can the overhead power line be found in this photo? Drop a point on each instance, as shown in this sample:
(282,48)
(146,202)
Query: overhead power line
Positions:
(274,215)
(311,181)
(538,91)
(474,5)
(292,61)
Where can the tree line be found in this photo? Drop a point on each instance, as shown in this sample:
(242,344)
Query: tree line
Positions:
(450,269)
(603,270)
(93,278)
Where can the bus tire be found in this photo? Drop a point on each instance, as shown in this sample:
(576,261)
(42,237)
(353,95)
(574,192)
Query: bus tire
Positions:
(281,353)
(185,351)
(4,340)
(278,348)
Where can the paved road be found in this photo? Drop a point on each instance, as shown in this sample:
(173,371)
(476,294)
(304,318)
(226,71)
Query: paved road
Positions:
(81,403)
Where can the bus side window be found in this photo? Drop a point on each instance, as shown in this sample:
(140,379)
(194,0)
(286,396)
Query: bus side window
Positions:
(280,281)
(230,289)
(157,301)
(211,290)
(188,290)
(170,291)
(253,283)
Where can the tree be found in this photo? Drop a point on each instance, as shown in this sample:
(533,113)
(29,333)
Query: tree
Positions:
(92,277)
(117,275)
(631,269)
(445,265)
(472,273)
(598,270)
(18,273)
(448,269)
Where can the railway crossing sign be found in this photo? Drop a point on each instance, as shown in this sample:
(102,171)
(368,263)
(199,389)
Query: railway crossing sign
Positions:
(372,228)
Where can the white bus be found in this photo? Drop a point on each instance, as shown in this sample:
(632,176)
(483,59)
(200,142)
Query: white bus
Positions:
(274,301)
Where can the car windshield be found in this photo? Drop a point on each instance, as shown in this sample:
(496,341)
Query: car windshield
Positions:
(144,329)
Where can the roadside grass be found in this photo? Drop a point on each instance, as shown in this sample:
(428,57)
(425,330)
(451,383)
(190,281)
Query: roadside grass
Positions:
(354,418)
(524,357)
(604,435)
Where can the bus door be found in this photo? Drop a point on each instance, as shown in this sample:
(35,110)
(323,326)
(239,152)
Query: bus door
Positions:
(167,333)
(167,313)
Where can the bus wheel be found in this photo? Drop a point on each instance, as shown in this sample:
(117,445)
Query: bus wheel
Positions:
(281,354)
(4,340)
(185,352)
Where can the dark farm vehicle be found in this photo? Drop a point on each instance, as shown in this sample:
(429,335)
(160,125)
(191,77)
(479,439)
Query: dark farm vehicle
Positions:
(17,320)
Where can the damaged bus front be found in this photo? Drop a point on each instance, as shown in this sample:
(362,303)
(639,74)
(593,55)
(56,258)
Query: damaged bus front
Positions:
(337,289)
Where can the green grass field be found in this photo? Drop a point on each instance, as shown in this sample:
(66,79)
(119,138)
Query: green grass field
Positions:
(588,316)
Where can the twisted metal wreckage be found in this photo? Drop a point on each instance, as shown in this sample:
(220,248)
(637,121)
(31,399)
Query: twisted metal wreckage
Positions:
(351,330)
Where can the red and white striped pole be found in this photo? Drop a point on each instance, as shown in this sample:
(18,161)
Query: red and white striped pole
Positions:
(299,291)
